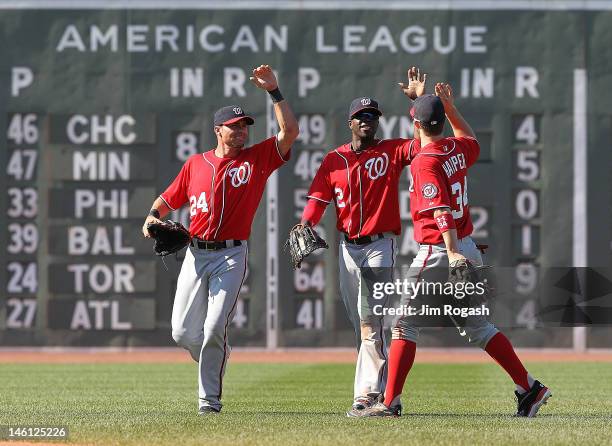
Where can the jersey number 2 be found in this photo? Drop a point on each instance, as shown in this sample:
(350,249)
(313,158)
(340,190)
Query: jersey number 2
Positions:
(339,197)
(462,198)
(199,203)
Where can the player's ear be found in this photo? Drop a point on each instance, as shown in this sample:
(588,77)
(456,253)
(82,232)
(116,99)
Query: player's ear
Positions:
(416,130)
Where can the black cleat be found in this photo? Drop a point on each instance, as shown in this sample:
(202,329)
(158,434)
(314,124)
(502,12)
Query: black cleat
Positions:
(530,402)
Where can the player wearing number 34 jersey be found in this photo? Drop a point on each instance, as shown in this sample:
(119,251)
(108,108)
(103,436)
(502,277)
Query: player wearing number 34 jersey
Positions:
(440,180)
(442,226)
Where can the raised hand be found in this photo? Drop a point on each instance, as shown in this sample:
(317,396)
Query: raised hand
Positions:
(264,78)
(445,93)
(416,83)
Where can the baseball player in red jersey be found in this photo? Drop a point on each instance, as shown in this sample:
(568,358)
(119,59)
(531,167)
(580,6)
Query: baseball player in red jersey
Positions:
(222,188)
(442,227)
(361,178)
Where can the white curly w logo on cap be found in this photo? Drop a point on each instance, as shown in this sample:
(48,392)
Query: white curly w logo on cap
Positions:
(237,110)
(366,101)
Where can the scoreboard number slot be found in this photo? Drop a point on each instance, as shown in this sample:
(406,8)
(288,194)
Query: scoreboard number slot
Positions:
(312,129)
(23,238)
(22,164)
(23,202)
(23,129)
(528,165)
(186,144)
(527,204)
(527,129)
(480,220)
(23,277)
(527,315)
(526,275)
(307,164)
(310,314)
(21,313)
(310,277)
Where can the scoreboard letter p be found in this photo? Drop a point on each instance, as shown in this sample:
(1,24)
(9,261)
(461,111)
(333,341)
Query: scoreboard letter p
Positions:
(308,79)
(21,77)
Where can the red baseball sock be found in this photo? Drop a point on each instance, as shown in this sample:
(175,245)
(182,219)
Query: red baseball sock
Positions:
(500,349)
(401,358)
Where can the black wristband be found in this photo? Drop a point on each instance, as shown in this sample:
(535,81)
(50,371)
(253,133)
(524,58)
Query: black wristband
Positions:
(276,95)
(154,213)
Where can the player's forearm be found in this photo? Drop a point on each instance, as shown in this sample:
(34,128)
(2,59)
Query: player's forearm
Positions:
(443,219)
(458,123)
(451,241)
(313,212)
(288,126)
(160,206)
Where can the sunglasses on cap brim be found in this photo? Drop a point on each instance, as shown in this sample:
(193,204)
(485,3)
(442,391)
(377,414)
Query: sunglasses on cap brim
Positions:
(369,116)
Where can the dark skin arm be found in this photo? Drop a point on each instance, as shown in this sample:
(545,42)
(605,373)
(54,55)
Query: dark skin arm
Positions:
(416,83)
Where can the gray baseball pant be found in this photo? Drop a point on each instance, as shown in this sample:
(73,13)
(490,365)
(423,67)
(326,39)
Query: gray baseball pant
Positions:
(371,367)
(204,305)
(477,329)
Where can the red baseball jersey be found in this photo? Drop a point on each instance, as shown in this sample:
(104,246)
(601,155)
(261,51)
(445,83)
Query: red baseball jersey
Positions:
(364,186)
(439,174)
(223,193)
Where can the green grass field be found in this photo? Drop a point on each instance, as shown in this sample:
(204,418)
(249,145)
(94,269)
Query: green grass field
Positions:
(156,404)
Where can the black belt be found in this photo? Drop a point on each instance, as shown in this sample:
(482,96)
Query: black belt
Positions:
(364,240)
(214,246)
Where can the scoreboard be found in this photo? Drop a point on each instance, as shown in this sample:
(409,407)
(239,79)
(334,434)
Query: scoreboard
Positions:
(101,107)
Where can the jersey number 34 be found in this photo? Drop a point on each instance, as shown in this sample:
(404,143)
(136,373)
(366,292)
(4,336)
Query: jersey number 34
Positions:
(461,196)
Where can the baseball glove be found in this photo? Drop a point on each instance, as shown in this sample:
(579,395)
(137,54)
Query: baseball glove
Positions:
(464,272)
(170,237)
(302,241)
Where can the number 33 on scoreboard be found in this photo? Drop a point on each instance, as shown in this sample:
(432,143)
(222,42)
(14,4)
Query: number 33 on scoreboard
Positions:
(197,203)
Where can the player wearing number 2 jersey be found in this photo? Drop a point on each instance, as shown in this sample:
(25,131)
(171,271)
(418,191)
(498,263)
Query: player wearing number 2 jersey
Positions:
(362,179)
(442,226)
(223,188)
